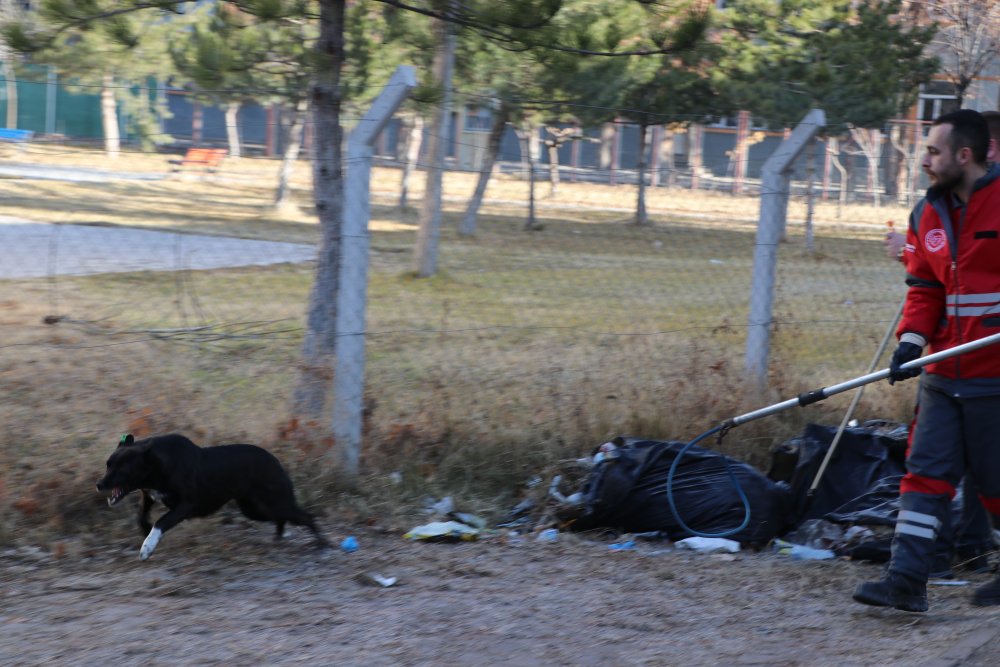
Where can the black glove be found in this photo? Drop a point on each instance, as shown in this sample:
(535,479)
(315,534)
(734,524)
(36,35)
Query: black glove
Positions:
(904,353)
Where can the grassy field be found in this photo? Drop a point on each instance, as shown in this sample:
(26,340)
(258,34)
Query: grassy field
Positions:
(526,348)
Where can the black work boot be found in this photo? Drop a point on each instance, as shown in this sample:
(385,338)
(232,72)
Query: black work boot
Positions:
(913,548)
(894,590)
(988,595)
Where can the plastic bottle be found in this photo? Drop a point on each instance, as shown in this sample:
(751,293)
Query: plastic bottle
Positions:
(800,552)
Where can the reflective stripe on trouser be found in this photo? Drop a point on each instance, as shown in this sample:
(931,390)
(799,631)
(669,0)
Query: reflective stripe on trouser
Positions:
(913,545)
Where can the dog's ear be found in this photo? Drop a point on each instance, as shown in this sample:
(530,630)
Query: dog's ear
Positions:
(126,440)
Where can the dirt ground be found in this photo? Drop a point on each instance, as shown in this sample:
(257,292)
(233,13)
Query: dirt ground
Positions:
(219,591)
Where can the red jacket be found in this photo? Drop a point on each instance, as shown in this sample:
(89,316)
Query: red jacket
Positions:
(952,260)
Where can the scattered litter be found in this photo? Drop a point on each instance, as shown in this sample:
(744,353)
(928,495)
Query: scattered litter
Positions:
(513,538)
(443,531)
(716,261)
(444,507)
(574,499)
(519,522)
(607,451)
(628,545)
(802,552)
(858,534)
(708,544)
(947,582)
(396,477)
(349,544)
(821,534)
(468,519)
(548,535)
(375,579)
(519,516)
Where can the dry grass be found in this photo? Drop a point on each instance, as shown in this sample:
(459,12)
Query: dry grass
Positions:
(525,349)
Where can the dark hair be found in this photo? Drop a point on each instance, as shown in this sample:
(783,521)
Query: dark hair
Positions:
(993,121)
(968,130)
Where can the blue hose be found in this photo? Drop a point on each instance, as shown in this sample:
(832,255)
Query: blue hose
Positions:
(732,476)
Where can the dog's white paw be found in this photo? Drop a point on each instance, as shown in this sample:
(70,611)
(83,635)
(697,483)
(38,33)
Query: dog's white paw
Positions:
(149,544)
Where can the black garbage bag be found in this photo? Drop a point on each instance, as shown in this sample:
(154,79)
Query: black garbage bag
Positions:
(865,456)
(861,484)
(877,506)
(628,491)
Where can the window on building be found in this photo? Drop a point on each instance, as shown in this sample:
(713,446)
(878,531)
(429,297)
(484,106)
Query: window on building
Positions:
(478,119)
(937,98)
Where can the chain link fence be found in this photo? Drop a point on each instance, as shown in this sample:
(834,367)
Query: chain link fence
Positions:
(164,302)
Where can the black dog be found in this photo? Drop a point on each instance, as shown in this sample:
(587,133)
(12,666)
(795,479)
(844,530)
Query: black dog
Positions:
(195,481)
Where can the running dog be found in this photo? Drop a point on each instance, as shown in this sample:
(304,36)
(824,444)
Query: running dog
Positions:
(195,481)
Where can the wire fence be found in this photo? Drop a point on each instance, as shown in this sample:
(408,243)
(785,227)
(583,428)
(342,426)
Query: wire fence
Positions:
(189,290)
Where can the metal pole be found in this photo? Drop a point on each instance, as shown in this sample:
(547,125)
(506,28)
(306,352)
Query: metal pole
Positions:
(817,395)
(349,346)
(775,183)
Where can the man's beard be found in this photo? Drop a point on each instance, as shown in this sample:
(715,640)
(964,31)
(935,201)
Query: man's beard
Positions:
(948,179)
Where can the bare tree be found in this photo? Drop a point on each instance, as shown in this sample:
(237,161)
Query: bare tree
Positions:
(501,117)
(293,144)
(414,129)
(968,38)
(833,153)
(870,143)
(10,11)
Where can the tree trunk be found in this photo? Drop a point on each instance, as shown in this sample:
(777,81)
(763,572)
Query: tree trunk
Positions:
(411,154)
(668,147)
(11,77)
(553,146)
(810,197)
(616,145)
(833,150)
(197,123)
(899,137)
(109,117)
(311,393)
(694,154)
(293,144)
(640,204)
(553,150)
(468,226)
(429,224)
(741,152)
(655,155)
(524,137)
(233,129)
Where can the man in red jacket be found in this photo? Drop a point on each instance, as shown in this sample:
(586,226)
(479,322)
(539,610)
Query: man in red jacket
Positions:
(953,273)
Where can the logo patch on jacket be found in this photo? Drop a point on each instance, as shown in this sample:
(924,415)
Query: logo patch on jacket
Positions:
(934,240)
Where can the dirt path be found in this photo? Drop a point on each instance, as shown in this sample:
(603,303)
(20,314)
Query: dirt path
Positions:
(224,594)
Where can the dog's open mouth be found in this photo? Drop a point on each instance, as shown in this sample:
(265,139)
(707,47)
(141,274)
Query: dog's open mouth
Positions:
(117,494)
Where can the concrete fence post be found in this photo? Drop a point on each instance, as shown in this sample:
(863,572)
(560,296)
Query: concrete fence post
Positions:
(352,296)
(775,184)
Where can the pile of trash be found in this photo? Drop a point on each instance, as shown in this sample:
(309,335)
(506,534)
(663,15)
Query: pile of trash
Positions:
(622,487)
